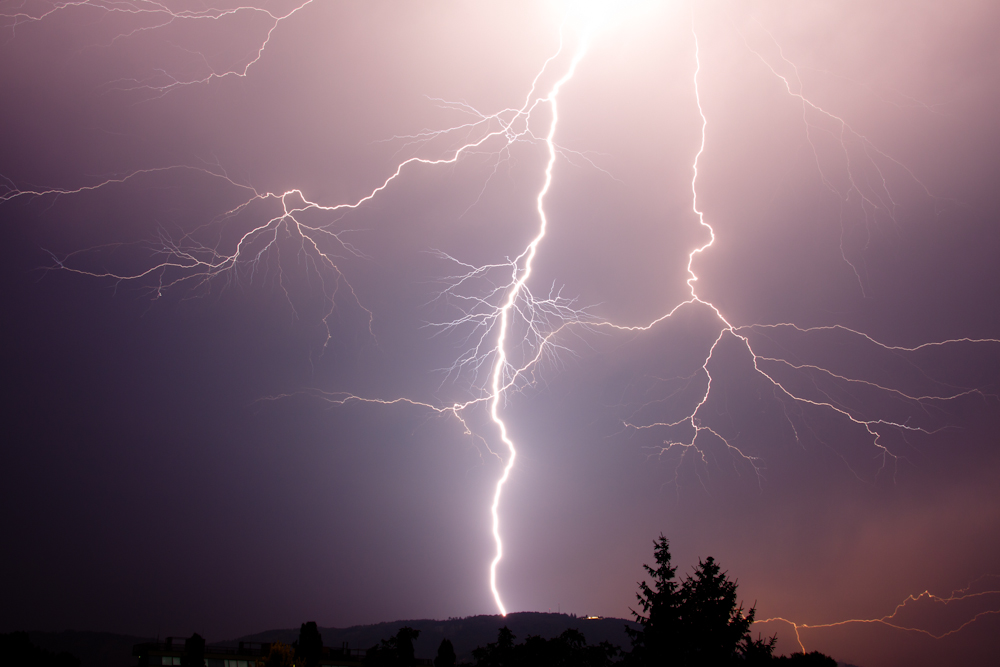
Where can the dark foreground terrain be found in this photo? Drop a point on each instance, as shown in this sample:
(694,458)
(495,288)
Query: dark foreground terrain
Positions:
(465,634)
(103,649)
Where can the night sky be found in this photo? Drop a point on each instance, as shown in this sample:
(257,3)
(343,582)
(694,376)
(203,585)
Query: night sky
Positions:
(180,452)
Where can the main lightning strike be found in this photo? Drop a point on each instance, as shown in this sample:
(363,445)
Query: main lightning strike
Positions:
(500,367)
(199,263)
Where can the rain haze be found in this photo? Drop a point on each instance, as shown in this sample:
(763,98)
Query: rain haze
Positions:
(246,385)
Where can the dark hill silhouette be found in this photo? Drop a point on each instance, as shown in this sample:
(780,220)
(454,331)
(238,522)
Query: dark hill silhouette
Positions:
(464,633)
(105,649)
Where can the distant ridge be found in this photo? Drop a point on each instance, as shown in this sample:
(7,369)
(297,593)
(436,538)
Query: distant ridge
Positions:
(105,649)
(465,633)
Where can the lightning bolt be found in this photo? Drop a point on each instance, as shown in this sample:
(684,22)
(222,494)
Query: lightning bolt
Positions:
(155,16)
(767,367)
(508,331)
(189,261)
(989,594)
(505,314)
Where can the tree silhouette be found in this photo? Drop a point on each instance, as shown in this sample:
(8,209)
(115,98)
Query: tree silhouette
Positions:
(813,659)
(716,631)
(697,623)
(404,645)
(194,651)
(397,651)
(309,647)
(569,649)
(279,655)
(656,640)
(445,655)
(496,654)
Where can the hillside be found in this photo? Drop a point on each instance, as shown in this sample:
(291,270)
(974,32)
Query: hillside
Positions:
(465,633)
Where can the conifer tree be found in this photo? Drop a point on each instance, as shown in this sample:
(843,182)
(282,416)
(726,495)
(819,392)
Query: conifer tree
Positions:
(657,638)
(309,647)
(445,655)
(696,623)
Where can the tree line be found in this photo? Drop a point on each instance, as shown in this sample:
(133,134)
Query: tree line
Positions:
(694,622)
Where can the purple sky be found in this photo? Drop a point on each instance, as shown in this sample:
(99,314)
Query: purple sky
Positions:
(174,460)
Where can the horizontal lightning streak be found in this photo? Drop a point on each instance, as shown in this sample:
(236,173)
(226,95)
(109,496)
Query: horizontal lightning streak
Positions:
(163,16)
(199,263)
(890,620)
